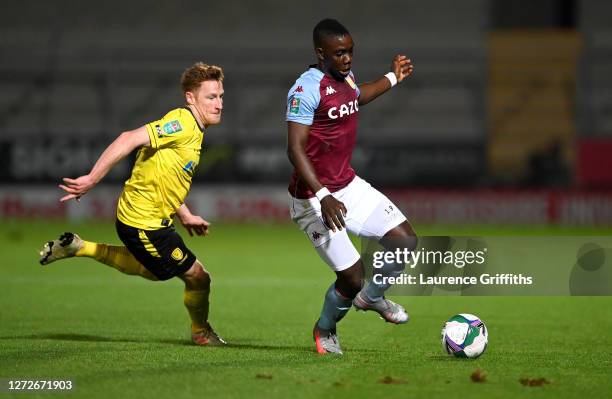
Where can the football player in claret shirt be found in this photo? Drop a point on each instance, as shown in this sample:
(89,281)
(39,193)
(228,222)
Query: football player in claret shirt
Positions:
(168,154)
(327,198)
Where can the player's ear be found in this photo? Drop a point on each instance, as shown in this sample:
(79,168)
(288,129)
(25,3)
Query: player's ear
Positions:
(189,97)
(319,52)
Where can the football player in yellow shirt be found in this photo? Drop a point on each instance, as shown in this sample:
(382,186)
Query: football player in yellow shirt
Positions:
(168,154)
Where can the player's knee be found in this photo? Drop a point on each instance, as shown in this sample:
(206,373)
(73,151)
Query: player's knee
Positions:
(402,237)
(348,288)
(201,277)
(355,285)
(349,282)
(409,242)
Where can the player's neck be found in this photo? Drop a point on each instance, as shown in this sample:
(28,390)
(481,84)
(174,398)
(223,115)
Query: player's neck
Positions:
(329,73)
(198,116)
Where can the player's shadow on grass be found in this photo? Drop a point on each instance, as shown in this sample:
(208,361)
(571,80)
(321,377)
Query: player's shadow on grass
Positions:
(447,358)
(250,344)
(96,338)
(247,345)
(177,341)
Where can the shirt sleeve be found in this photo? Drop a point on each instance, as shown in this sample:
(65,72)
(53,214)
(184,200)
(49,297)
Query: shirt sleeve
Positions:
(169,131)
(302,101)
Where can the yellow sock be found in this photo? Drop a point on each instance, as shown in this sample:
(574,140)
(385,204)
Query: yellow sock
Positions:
(112,255)
(197,304)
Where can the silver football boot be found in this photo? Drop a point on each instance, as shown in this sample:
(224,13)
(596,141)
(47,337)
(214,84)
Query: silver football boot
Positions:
(326,341)
(387,309)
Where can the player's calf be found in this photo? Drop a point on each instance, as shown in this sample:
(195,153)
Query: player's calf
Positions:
(197,291)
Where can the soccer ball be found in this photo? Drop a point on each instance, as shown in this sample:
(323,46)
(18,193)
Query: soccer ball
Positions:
(464,335)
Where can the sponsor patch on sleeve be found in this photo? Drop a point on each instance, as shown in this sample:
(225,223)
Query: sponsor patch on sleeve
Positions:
(190,167)
(294,105)
(172,127)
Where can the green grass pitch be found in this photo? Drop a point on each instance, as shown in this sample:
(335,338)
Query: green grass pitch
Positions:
(121,336)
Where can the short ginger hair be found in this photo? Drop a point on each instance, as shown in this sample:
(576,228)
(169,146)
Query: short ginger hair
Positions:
(198,73)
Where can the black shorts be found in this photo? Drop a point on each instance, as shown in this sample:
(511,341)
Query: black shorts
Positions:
(162,252)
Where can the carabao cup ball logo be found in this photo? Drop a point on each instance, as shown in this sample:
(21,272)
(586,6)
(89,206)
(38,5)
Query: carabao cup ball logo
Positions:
(464,335)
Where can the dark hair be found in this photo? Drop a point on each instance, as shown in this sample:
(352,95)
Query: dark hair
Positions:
(328,28)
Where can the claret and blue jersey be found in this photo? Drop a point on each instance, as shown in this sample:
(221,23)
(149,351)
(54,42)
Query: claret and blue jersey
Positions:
(330,107)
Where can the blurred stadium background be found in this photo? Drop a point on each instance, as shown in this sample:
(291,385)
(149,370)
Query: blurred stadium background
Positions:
(507,119)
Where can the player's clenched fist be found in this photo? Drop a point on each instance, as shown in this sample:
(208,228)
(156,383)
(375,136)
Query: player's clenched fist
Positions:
(402,67)
(333,212)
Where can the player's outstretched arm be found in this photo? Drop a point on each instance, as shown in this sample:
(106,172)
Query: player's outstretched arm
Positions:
(115,152)
(191,222)
(401,68)
(332,210)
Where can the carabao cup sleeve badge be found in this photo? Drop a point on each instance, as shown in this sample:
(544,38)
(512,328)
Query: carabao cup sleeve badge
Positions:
(294,105)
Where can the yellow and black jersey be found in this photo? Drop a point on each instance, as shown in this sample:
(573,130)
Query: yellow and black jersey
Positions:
(162,173)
